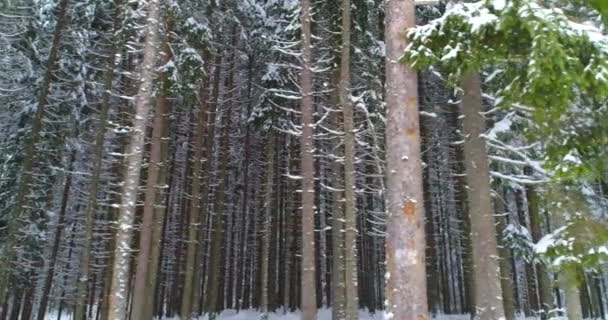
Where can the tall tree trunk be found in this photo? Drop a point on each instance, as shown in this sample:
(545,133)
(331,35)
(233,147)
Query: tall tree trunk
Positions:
(192,248)
(506,270)
(308,289)
(338,276)
(544,282)
(350,210)
(209,151)
(50,274)
(217,232)
(126,215)
(486,268)
(84,269)
(141,289)
(406,296)
(270,146)
(29,153)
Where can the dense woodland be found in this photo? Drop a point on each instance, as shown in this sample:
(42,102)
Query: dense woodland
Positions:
(177,158)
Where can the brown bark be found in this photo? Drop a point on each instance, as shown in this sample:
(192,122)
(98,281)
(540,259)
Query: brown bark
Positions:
(350,210)
(506,270)
(406,296)
(121,269)
(50,274)
(141,288)
(308,289)
(487,288)
(545,293)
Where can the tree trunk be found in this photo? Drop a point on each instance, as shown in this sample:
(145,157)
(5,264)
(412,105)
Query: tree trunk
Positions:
(187,303)
(141,289)
(506,270)
(338,281)
(487,296)
(406,296)
(569,284)
(308,289)
(270,142)
(50,274)
(215,256)
(29,153)
(350,210)
(81,287)
(544,282)
(120,275)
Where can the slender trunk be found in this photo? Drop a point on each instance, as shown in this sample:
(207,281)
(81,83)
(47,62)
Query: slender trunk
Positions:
(338,275)
(309,296)
(267,223)
(506,271)
(29,153)
(215,257)
(48,279)
(350,210)
(194,221)
(406,296)
(486,268)
(84,270)
(544,282)
(122,252)
(207,165)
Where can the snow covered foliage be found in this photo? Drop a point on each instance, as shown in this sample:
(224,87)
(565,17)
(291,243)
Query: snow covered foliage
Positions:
(556,66)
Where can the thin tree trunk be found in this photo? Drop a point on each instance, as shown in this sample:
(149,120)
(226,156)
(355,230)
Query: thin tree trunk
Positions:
(338,275)
(48,279)
(544,283)
(194,221)
(350,210)
(29,153)
(406,296)
(215,257)
(309,296)
(122,252)
(506,270)
(270,146)
(81,287)
(485,253)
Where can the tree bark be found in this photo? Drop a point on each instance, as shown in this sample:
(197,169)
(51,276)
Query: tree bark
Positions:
(120,271)
(506,270)
(270,146)
(487,288)
(308,296)
(141,288)
(350,210)
(406,296)
(544,282)
(50,274)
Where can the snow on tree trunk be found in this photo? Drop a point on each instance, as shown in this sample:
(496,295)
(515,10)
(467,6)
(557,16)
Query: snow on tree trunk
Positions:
(122,252)
(308,283)
(487,288)
(406,296)
(140,289)
(350,210)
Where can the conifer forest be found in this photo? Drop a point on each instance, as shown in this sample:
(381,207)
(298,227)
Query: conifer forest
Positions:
(303,159)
